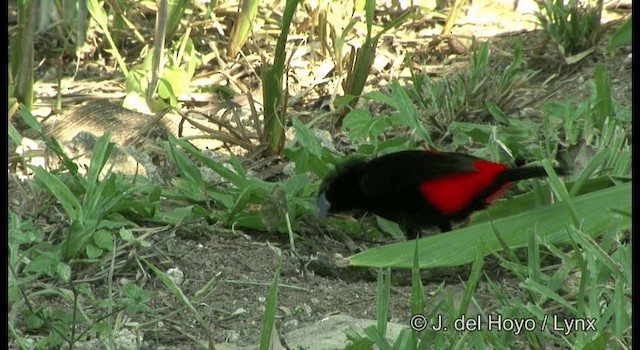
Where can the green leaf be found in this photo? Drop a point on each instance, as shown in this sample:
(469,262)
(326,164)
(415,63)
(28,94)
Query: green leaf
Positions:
(295,184)
(622,36)
(14,135)
(191,190)
(187,168)
(126,235)
(417,300)
(389,227)
(93,251)
(598,342)
(356,124)
(474,278)
(382,301)
(593,249)
(306,138)
(497,113)
(29,119)
(64,271)
(97,12)
(44,262)
(65,197)
(408,112)
(379,96)
(395,23)
(241,202)
(165,91)
(270,310)
(459,247)
(478,132)
(100,155)
(237,165)
(103,239)
(229,175)
(137,81)
(178,81)
(342,101)
(359,124)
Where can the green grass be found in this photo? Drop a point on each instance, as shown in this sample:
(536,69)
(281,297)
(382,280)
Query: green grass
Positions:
(100,217)
(573,25)
(586,238)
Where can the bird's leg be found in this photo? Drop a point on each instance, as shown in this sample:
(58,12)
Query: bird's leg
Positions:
(411,231)
(444,226)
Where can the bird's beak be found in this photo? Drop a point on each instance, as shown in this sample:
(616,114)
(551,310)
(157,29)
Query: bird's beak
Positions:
(323,206)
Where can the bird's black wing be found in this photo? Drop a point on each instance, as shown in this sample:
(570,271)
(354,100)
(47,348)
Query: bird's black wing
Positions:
(401,173)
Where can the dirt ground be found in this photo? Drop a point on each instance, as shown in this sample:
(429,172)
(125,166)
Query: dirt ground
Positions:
(242,265)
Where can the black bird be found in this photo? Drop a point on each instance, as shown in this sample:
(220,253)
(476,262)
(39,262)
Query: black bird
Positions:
(420,188)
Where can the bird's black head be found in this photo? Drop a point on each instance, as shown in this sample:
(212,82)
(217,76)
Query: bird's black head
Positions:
(339,191)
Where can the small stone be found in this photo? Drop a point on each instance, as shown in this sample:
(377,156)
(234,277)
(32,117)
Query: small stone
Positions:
(291,324)
(303,309)
(176,275)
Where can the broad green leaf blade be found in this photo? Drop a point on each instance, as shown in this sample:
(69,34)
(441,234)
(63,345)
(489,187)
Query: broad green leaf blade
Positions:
(99,157)
(29,119)
(382,301)
(408,111)
(527,201)
(242,201)
(622,36)
(459,247)
(497,113)
(306,138)
(417,300)
(227,174)
(63,194)
(98,13)
(474,278)
(187,168)
(14,135)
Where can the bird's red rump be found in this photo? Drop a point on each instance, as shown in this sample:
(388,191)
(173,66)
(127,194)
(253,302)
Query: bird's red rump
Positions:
(453,193)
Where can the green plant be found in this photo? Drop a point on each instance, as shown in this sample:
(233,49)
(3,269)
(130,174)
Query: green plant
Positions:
(100,16)
(622,36)
(96,213)
(267,335)
(275,118)
(238,198)
(361,125)
(573,25)
(242,27)
(105,198)
(559,305)
(21,78)
(149,77)
(463,95)
(362,58)
(597,125)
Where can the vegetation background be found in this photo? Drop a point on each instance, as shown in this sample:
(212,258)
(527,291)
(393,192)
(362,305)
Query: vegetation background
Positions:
(190,223)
